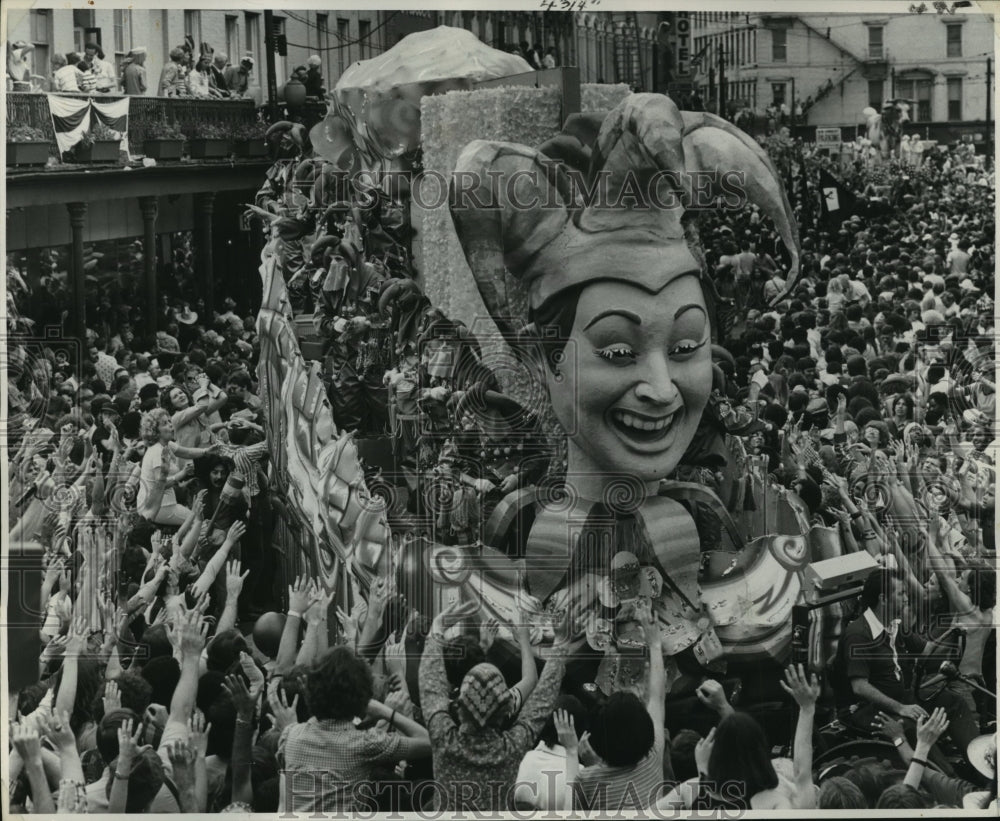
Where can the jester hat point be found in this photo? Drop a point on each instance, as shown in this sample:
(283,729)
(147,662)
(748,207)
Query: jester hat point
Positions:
(552,241)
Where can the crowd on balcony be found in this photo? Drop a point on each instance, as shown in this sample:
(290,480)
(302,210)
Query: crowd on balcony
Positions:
(142,472)
(210,74)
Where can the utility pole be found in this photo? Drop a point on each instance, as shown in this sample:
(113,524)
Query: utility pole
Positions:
(722,79)
(989,88)
(269,47)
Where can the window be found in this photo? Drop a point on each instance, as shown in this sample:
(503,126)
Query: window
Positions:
(779,45)
(954,40)
(82,20)
(279,60)
(252,20)
(954,98)
(778,93)
(343,51)
(918,89)
(364,35)
(875,51)
(123,31)
(233,38)
(41,38)
(323,39)
(876,94)
(192,27)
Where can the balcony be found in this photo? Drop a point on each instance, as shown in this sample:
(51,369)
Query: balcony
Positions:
(145,113)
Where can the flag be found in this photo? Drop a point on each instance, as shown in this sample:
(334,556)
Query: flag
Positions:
(70,120)
(839,203)
(114,114)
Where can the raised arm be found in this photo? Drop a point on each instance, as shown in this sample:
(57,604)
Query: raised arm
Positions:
(215,564)
(433,681)
(298,601)
(529,670)
(929,730)
(66,699)
(805,692)
(234,586)
(188,636)
(657,673)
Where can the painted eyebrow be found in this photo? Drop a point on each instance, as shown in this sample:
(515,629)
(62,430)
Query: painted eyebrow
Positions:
(688,307)
(615,312)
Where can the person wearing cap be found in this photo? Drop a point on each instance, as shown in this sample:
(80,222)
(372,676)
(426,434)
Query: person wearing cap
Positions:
(238,77)
(134,73)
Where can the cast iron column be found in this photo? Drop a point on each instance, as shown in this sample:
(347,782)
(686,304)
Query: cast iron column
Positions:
(78,319)
(204,206)
(148,206)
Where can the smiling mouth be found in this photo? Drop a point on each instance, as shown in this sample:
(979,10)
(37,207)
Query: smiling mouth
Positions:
(642,428)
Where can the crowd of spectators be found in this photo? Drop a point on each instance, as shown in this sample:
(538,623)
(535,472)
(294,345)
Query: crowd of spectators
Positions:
(175,675)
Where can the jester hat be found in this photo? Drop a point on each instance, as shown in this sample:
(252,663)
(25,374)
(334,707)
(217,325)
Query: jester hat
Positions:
(527,229)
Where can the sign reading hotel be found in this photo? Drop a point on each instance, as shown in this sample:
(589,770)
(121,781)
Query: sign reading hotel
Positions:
(682,45)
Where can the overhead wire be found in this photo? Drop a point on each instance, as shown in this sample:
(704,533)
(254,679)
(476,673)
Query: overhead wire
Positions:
(345,44)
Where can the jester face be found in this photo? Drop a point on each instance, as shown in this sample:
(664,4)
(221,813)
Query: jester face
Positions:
(635,379)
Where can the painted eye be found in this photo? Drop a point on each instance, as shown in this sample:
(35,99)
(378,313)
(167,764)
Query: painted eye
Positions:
(620,354)
(685,348)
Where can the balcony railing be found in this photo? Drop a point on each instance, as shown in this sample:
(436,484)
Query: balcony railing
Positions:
(146,114)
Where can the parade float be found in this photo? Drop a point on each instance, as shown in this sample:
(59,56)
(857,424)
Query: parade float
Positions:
(422,443)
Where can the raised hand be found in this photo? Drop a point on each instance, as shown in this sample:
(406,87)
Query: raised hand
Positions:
(198,733)
(488,633)
(455,613)
(565,730)
(930,729)
(236,532)
(349,624)
(77,637)
(319,605)
(182,757)
(253,674)
(285,714)
(26,741)
(234,581)
(112,696)
(713,695)
(298,595)
(58,730)
(804,690)
(242,700)
(189,634)
(128,746)
(888,726)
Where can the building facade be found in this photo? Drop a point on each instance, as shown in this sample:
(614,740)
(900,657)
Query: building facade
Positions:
(607,47)
(836,65)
